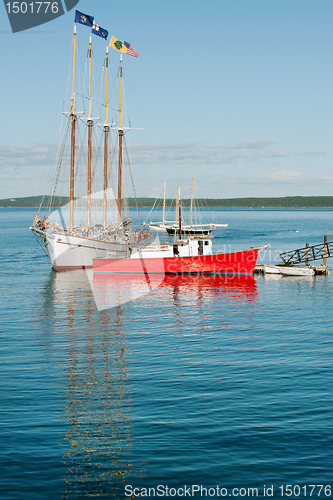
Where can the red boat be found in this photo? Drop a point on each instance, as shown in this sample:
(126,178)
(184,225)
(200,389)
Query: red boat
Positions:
(191,256)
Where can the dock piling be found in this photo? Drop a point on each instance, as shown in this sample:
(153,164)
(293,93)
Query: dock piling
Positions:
(306,254)
(325,250)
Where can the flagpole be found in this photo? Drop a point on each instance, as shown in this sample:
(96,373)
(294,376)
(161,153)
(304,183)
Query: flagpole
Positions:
(73,120)
(106,141)
(90,124)
(121,133)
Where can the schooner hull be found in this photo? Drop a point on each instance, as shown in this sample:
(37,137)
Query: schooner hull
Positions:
(73,252)
(224,263)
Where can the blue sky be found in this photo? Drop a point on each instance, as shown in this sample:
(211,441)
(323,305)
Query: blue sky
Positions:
(236,93)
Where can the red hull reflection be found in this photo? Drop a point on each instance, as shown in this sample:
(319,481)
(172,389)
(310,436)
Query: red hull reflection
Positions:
(111,290)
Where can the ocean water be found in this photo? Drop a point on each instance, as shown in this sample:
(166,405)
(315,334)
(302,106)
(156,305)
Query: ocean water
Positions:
(199,387)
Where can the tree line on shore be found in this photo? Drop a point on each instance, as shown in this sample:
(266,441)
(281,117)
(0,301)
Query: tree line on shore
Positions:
(281,202)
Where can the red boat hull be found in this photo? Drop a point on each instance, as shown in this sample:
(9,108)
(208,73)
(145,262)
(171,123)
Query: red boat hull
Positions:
(224,263)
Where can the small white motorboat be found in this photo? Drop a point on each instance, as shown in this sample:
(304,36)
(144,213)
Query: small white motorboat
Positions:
(271,269)
(296,271)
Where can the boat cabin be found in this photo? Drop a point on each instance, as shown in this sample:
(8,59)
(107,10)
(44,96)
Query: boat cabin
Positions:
(192,246)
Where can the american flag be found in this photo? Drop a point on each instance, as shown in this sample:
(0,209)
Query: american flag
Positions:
(131,50)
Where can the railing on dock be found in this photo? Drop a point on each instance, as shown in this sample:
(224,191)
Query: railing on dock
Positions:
(304,255)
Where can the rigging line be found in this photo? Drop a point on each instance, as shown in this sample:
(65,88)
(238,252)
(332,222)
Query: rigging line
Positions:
(158,198)
(101,90)
(86,98)
(112,157)
(136,201)
(171,206)
(51,157)
(207,208)
(85,74)
(102,104)
(125,107)
(55,155)
(61,157)
(135,101)
(58,156)
(68,77)
(39,243)
(98,150)
(51,196)
(80,83)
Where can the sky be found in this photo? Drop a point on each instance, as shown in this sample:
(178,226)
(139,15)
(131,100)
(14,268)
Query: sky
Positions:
(234,93)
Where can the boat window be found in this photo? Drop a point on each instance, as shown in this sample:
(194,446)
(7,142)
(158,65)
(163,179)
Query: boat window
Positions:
(175,250)
(206,242)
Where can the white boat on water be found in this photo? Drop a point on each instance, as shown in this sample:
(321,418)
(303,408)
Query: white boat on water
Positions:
(190,229)
(296,271)
(288,270)
(271,269)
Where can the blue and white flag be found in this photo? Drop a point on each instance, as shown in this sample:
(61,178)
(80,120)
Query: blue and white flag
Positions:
(97,30)
(83,19)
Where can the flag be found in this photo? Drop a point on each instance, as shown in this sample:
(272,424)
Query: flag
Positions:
(97,30)
(118,45)
(131,50)
(83,19)
(124,47)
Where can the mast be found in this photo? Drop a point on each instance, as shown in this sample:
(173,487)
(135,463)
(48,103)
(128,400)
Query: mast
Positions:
(180,215)
(176,214)
(90,124)
(106,140)
(191,200)
(121,133)
(73,120)
(164,200)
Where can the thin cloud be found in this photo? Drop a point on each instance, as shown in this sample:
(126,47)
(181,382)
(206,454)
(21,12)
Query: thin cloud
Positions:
(198,153)
(16,156)
(249,145)
(21,155)
(294,176)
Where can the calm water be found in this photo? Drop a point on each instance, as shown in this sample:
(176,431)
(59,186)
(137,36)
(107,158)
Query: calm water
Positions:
(201,382)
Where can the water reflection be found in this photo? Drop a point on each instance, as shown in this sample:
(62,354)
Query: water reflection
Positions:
(205,286)
(94,370)
(90,347)
(111,289)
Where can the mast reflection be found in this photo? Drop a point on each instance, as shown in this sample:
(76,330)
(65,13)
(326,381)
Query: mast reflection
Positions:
(93,344)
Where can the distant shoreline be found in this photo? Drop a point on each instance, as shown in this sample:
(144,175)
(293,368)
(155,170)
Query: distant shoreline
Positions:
(287,202)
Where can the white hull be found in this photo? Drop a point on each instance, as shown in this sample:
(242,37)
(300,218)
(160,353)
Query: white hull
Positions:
(296,271)
(157,227)
(270,269)
(199,228)
(74,252)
